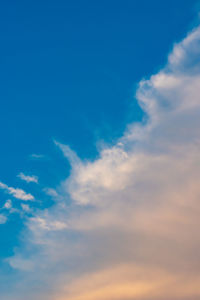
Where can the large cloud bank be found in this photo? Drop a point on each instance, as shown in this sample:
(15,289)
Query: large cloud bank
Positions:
(126,226)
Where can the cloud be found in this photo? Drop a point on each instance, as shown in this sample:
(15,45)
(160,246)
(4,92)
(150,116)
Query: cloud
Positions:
(52,192)
(16,192)
(129,282)
(127,224)
(27,178)
(8,204)
(20,263)
(26,207)
(69,154)
(36,156)
(3,219)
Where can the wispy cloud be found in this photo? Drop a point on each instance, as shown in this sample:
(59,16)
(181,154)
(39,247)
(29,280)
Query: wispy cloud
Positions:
(8,207)
(3,219)
(36,156)
(16,192)
(127,226)
(69,154)
(26,207)
(52,192)
(28,178)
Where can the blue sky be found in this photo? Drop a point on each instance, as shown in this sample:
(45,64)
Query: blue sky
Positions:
(68,70)
(69,73)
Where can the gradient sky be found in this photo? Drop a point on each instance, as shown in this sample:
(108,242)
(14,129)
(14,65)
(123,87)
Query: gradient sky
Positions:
(99,153)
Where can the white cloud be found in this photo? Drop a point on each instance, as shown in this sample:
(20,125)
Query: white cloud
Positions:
(28,178)
(8,204)
(129,225)
(69,154)
(16,192)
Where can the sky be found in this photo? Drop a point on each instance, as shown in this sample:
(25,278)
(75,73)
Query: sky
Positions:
(99,156)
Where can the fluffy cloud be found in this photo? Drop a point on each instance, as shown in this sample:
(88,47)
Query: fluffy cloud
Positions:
(16,192)
(127,224)
(28,178)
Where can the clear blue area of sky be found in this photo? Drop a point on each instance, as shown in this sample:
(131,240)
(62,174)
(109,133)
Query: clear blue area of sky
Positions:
(68,72)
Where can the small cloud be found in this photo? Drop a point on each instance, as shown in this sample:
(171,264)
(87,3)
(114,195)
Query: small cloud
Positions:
(8,204)
(51,192)
(36,156)
(28,178)
(25,207)
(3,219)
(16,193)
(3,185)
(9,207)
(72,157)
